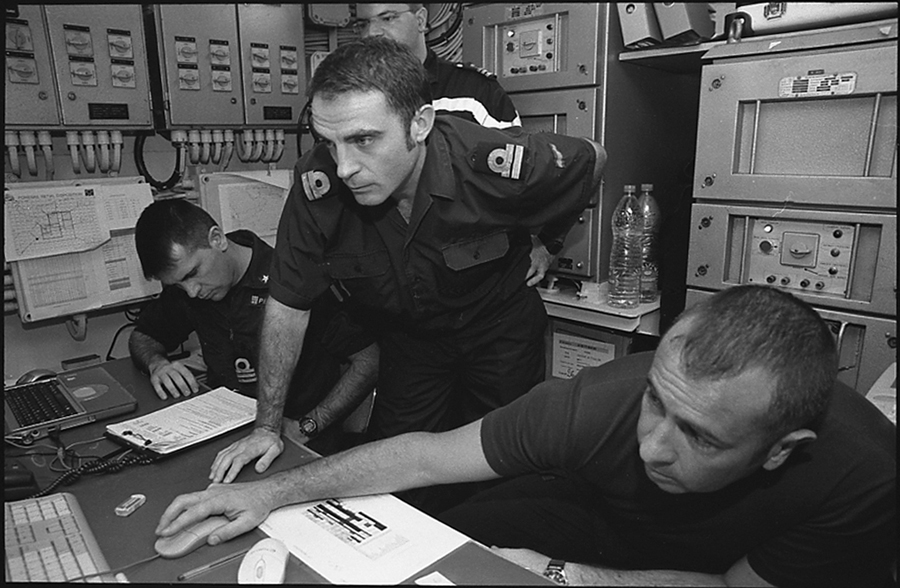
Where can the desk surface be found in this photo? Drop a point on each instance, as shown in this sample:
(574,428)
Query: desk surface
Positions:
(125,540)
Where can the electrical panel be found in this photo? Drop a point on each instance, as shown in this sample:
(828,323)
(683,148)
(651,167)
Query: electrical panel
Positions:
(815,128)
(795,181)
(100,59)
(200,63)
(567,112)
(535,46)
(273,63)
(31,97)
(835,259)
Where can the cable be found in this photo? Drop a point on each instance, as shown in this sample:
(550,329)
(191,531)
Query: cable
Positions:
(103,465)
(114,571)
(139,141)
(112,345)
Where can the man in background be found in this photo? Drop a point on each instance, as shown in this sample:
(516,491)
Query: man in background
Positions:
(217,285)
(460,89)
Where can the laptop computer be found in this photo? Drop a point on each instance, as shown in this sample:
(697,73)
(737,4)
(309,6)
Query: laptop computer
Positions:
(31,411)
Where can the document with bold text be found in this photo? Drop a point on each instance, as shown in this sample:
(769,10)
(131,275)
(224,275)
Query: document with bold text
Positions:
(364,540)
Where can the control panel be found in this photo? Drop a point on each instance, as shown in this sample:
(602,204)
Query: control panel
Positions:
(530,47)
(274,74)
(801,255)
(200,55)
(535,46)
(30,92)
(101,64)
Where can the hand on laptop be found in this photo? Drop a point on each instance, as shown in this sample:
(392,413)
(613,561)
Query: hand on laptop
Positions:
(229,461)
(172,378)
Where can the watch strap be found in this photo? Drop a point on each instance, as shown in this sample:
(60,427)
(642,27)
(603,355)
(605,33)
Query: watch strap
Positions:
(556,571)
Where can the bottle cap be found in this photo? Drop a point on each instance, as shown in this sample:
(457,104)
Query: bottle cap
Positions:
(646,187)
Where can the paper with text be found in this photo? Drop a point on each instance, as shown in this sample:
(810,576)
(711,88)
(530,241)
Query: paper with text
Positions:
(364,540)
(188,422)
(51,221)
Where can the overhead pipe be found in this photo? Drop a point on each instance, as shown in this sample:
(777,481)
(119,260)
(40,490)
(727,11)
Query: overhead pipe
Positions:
(12,149)
(103,149)
(74,148)
(87,153)
(28,141)
(46,143)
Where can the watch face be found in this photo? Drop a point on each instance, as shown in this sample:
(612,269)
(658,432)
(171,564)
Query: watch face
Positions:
(308,427)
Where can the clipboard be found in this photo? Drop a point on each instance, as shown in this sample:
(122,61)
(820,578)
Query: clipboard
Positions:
(185,424)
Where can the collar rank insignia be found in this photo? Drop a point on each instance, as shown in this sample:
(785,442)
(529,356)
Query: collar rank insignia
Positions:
(315,184)
(503,160)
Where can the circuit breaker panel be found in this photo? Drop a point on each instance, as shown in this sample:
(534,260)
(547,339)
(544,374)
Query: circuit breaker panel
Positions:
(274,70)
(101,64)
(200,62)
(31,97)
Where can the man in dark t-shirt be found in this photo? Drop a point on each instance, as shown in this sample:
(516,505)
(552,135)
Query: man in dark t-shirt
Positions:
(730,456)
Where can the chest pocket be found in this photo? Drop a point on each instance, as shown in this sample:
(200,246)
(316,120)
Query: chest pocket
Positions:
(468,254)
(366,275)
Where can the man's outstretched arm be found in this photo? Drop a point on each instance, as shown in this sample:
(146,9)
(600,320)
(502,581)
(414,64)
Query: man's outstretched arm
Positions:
(410,460)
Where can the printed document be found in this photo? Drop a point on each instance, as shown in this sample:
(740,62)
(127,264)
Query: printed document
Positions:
(188,422)
(364,540)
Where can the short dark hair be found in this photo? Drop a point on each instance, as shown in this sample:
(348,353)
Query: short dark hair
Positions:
(755,326)
(374,64)
(164,224)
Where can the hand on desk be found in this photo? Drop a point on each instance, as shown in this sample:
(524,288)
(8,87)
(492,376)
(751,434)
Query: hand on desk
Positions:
(174,378)
(245,505)
(229,461)
(541,259)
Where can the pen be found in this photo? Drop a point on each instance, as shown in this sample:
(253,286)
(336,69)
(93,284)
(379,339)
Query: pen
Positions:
(213,564)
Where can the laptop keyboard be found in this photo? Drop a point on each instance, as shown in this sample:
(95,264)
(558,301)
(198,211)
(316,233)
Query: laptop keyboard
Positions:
(38,402)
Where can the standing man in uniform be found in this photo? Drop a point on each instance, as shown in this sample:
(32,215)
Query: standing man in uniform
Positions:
(216,285)
(459,89)
(426,222)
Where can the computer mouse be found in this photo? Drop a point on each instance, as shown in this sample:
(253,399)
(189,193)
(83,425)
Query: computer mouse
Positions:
(35,375)
(265,563)
(188,539)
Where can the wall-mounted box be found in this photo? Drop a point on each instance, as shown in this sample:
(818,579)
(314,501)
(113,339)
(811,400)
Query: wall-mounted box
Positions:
(100,60)
(273,63)
(30,89)
(535,46)
(199,58)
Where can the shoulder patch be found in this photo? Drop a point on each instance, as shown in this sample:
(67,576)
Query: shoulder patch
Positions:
(489,75)
(315,184)
(505,160)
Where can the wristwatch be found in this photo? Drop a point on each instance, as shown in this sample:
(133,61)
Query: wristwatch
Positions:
(309,427)
(556,571)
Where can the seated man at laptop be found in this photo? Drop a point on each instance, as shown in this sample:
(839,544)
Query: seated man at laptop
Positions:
(729,456)
(217,285)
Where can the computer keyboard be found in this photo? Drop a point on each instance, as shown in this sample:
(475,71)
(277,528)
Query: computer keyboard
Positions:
(38,402)
(48,539)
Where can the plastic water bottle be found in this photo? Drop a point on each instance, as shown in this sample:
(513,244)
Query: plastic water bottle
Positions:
(649,244)
(625,256)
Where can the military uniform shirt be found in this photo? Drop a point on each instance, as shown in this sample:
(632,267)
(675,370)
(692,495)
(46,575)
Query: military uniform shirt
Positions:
(228,330)
(466,247)
(469,92)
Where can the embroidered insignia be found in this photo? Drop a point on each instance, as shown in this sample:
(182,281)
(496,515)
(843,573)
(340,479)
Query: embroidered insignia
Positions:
(488,74)
(315,184)
(506,161)
(244,371)
(257,300)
